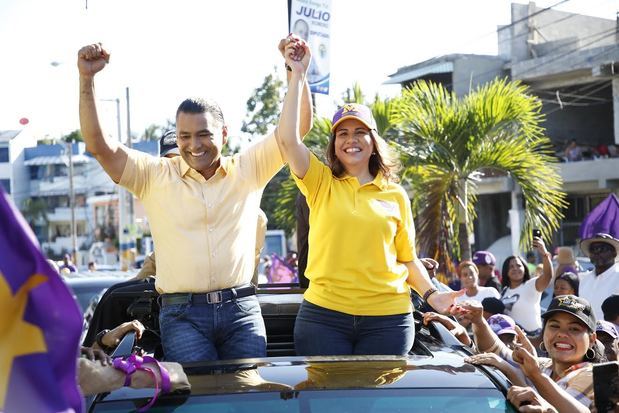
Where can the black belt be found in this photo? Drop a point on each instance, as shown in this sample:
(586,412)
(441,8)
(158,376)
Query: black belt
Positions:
(213,297)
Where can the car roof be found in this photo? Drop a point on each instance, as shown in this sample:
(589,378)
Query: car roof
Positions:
(445,369)
(437,363)
(95,280)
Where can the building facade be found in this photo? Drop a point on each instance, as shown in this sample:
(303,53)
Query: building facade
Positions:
(571,62)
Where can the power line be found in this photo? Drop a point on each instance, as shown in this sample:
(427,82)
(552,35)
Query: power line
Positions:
(512,24)
(532,15)
(573,103)
(603,35)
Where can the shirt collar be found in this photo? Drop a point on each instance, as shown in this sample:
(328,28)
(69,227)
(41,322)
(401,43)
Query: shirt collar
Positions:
(224,166)
(379,181)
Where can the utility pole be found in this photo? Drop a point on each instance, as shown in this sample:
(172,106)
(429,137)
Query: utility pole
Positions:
(72,205)
(129,144)
(125,205)
(122,220)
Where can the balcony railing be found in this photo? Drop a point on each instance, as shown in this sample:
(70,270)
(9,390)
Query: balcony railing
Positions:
(63,214)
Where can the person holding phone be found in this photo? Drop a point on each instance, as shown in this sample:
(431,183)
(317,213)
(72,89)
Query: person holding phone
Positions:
(522,294)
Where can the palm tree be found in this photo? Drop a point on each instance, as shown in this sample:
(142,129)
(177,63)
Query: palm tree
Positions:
(449,143)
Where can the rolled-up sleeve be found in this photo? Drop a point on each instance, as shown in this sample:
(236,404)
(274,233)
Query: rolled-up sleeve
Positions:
(137,173)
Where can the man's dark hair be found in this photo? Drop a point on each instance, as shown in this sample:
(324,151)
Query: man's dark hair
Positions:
(493,305)
(199,105)
(610,307)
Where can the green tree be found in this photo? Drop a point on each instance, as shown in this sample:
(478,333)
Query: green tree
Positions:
(34,210)
(263,107)
(75,136)
(153,132)
(449,143)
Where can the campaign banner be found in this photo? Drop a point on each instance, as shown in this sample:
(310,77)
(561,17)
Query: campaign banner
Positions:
(311,20)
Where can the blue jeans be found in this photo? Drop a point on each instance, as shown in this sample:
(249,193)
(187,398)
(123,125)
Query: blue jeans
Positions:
(228,330)
(322,332)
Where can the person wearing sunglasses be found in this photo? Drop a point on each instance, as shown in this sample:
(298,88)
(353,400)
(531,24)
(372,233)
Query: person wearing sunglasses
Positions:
(603,280)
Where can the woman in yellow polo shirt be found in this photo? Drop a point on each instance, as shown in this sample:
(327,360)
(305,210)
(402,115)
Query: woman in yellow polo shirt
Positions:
(362,259)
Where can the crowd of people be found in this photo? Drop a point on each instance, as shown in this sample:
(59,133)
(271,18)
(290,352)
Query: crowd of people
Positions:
(362,263)
(574,152)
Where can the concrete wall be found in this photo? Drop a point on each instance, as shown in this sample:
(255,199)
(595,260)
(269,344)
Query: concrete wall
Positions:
(492,219)
(472,71)
(20,179)
(591,125)
(556,28)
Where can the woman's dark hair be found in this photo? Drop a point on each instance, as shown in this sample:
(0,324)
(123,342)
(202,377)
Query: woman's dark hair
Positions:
(599,355)
(571,279)
(383,160)
(505,278)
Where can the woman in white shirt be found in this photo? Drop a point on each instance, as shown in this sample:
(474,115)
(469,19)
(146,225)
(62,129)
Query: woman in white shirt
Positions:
(521,293)
(469,281)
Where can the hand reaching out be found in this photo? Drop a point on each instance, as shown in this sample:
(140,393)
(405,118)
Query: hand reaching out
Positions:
(443,302)
(444,320)
(491,359)
(92,59)
(527,400)
(528,362)
(487,359)
(471,311)
(523,340)
(94,354)
(112,338)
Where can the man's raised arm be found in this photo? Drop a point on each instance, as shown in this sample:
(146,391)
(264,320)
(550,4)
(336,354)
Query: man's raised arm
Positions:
(111,155)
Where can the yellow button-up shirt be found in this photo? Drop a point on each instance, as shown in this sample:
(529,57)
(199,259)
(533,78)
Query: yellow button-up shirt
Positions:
(360,236)
(204,231)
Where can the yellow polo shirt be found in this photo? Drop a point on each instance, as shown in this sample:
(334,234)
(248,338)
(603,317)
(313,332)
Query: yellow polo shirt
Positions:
(360,236)
(204,231)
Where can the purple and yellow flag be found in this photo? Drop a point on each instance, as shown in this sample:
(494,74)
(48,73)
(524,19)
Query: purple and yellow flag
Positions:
(40,325)
(604,218)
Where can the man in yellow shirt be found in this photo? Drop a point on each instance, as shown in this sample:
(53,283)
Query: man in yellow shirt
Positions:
(201,208)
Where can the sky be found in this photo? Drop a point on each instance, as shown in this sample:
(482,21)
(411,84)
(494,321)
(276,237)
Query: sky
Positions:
(165,51)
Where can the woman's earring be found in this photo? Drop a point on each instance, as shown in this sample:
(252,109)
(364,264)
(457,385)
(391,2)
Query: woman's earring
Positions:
(541,347)
(590,356)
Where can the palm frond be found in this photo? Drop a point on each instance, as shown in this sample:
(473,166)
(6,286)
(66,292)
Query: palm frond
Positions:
(446,141)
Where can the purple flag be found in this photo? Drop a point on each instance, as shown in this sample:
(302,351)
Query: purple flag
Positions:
(40,325)
(280,272)
(604,218)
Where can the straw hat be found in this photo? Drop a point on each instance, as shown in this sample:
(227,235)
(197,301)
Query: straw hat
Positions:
(609,239)
(565,256)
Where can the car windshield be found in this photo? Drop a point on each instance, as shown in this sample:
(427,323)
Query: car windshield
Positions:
(327,401)
(84,294)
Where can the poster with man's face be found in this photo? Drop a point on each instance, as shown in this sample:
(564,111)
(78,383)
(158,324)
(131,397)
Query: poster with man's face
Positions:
(310,20)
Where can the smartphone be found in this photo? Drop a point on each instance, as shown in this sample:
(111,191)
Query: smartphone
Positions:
(606,386)
(537,233)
